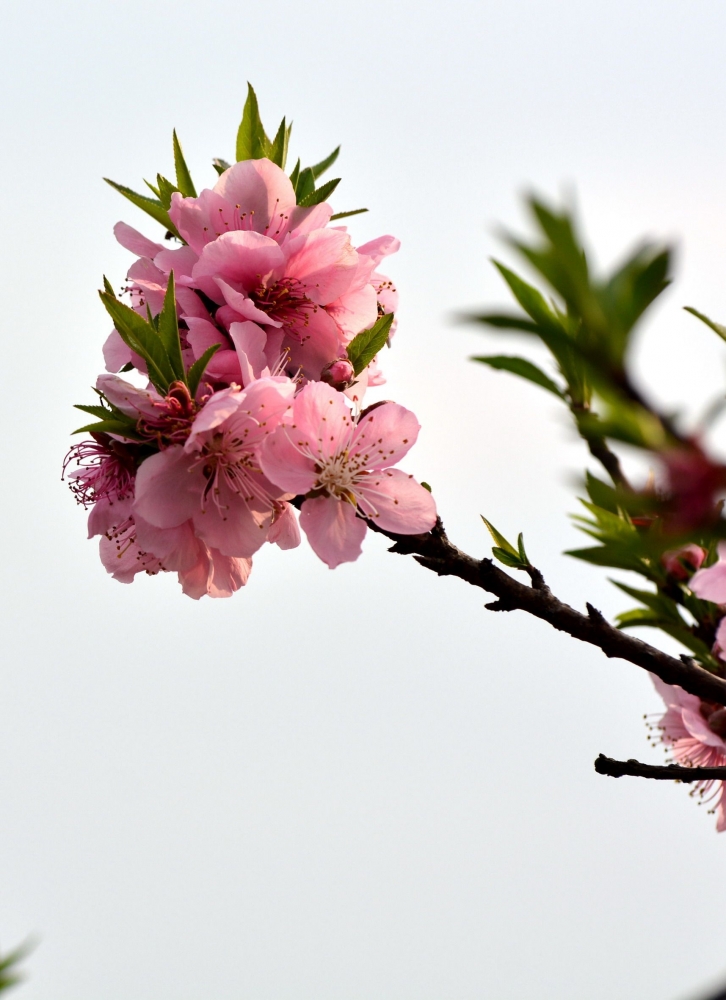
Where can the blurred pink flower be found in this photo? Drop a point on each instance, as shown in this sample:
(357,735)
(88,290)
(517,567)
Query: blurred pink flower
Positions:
(681,563)
(710,584)
(695,730)
(344,465)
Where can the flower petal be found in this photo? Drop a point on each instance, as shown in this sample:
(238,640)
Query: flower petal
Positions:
(167,491)
(384,435)
(396,502)
(334,531)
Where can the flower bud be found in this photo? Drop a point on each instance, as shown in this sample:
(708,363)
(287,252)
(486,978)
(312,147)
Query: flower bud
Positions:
(339,373)
(682,563)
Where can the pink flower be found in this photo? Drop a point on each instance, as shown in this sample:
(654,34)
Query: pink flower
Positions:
(258,258)
(681,563)
(710,584)
(695,731)
(214,479)
(131,545)
(344,465)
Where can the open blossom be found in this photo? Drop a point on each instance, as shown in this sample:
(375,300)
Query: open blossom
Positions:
(343,465)
(214,479)
(130,545)
(258,258)
(695,730)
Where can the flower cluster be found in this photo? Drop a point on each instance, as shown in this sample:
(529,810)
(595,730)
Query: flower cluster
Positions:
(258,335)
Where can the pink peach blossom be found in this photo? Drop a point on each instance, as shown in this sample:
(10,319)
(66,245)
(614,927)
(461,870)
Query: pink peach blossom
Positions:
(694,730)
(681,563)
(214,479)
(343,464)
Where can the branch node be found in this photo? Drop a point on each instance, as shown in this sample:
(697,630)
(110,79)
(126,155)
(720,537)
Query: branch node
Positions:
(595,616)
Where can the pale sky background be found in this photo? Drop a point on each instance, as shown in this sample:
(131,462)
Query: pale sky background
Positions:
(349,785)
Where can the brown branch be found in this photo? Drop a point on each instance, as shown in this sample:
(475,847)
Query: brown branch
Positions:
(434,551)
(661,772)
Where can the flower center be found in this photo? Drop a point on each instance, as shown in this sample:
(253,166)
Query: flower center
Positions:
(172,423)
(285,301)
(105,468)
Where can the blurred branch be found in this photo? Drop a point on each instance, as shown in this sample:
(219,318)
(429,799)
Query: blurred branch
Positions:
(435,552)
(660,772)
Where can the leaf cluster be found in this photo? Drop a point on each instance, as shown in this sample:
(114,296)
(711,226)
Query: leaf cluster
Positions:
(505,552)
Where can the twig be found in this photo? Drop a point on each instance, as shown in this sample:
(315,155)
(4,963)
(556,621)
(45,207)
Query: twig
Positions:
(434,551)
(661,772)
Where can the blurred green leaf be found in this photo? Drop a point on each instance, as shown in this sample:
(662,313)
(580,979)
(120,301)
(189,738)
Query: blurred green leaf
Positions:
(346,215)
(220,165)
(520,366)
(716,327)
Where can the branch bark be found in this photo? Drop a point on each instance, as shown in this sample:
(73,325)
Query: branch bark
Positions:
(661,772)
(435,552)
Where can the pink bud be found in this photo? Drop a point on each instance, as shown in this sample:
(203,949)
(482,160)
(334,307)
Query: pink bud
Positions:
(340,374)
(682,563)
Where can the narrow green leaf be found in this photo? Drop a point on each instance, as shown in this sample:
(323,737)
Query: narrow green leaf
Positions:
(320,168)
(108,426)
(166,190)
(149,205)
(322,194)
(520,549)
(184,181)
(96,411)
(601,493)
(606,555)
(501,540)
(278,148)
(716,327)
(252,142)
(195,373)
(346,215)
(505,557)
(305,184)
(142,338)
(168,327)
(363,348)
(520,366)
(128,367)
(663,606)
(294,174)
(504,321)
(220,165)
(153,188)
(108,286)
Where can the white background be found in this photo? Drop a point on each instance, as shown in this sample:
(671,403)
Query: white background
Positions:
(349,785)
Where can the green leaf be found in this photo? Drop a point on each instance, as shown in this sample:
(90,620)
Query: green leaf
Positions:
(520,549)
(96,411)
(320,168)
(108,426)
(195,373)
(184,181)
(663,606)
(278,148)
(346,215)
(294,174)
(168,328)
(108,286)
(426,486)
(142,338)
(602,494)
(322,194)
(363,348)
(252,142)
(166,190)
(716,327)
(220,165)
(501,540)
(504,321)
(520,366)
(609,555)
(151,206)
(505,557)
(305,185)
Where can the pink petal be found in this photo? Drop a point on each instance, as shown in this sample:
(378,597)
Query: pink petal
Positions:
(202,335)
(181,261)
(324,261)
(305,220)
(249,341)
(226,523)
(384,435)
(212,415)
(322,422)
(284,465)
(314,345)
(285,531)
(177,548)
(334,531)
(262,193)
(107,515)
(710,584)
(239,257)
(127,398)
(116,353)
(132,239)
(396,502)
(227,575)
(167,491)
(201,220)
(243,305)
(355,311)
(382,246)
